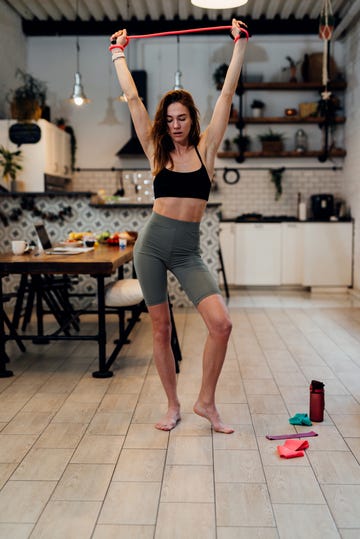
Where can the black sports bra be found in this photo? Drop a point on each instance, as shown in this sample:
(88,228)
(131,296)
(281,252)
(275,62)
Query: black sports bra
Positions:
(196,184)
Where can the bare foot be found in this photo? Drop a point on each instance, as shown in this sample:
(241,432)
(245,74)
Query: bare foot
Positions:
(211,414)
(169,421)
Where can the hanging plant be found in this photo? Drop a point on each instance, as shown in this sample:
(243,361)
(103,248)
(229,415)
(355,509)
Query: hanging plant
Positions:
(276,178)
(28,100)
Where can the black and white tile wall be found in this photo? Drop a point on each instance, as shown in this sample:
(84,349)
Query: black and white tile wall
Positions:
(87,218)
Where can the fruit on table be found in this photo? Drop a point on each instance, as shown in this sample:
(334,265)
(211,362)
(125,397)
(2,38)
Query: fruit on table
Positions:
(76,236)
(104,236)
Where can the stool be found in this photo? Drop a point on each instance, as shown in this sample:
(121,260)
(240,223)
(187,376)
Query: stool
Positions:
(126,295)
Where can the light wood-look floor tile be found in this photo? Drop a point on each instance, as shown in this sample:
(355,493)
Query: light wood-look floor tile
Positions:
(140,465)
(243,504)
(43,464)
(238,466)
(15,531)
(310,521)
(182,520)
(79,522)
(84,482)
(80,457)
(117,531)
(293,484)
(124,500)
(23,501)
(335,467)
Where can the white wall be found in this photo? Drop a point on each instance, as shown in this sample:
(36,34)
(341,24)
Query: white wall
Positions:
(53,59)
(13,45)
(352,162)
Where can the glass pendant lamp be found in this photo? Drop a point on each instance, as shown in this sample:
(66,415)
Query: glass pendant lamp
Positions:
(78,96)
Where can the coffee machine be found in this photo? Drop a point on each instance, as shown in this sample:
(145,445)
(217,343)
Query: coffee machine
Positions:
(322,207)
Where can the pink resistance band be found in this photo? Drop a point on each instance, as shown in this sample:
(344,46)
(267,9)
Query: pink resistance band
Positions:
(179,32)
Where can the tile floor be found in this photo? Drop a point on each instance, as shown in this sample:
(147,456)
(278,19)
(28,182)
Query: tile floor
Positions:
(79,457)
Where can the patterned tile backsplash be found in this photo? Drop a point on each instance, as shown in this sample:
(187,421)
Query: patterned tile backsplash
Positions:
(85,217)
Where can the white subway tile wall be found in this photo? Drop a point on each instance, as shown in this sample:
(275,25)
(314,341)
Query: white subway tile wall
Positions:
(254,192)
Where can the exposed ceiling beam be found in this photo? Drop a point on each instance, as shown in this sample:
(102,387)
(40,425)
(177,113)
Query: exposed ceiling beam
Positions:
(349,18)
(260,26)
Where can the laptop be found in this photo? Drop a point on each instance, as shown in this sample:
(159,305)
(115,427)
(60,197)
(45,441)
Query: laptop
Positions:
(49,249)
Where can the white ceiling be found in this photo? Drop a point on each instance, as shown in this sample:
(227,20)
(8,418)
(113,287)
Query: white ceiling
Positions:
(43,16)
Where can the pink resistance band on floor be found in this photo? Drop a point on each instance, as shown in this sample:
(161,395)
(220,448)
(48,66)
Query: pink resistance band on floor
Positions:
(179,32)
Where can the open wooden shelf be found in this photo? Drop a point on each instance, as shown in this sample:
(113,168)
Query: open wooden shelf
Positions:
(338,85)
(285,120)
(334,153)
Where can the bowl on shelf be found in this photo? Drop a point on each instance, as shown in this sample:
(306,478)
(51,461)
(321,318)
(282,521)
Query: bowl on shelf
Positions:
(290,112)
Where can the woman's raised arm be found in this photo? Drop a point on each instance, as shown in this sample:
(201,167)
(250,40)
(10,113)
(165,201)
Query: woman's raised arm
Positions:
(138,112)
(215,131)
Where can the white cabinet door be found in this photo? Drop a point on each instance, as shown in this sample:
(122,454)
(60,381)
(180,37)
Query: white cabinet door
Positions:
(227,244)
(292,255)
(258,254)
(328,254)
(57,150)
(51,155)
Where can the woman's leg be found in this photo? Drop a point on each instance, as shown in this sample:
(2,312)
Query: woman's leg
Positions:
(216,317)
(165,363)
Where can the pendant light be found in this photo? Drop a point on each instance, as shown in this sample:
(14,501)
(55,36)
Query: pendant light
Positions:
(78,96)
(178,74)
(218,4)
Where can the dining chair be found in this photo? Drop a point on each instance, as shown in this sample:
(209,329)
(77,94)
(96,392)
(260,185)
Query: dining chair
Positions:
(125,295)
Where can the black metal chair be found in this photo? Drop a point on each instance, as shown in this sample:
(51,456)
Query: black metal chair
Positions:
(124,296)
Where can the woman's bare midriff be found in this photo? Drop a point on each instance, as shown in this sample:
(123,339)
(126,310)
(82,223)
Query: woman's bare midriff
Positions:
(183,209)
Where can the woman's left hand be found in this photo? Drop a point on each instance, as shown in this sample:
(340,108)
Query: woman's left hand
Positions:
(237,27)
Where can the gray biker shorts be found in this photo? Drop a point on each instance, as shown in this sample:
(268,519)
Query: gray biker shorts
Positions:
(169,244)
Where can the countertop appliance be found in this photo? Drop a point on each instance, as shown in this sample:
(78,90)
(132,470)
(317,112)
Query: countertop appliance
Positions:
(322,207)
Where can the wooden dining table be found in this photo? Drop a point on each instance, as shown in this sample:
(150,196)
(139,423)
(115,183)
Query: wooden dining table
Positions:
(100,263)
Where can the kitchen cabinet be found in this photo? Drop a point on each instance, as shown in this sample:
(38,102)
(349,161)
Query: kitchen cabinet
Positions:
(328,254)
(227,243)
(287,120)
(258,254)
(307,254)
(292,253)
(51,155)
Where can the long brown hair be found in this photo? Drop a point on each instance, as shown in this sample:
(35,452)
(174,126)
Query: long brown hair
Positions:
(163,143)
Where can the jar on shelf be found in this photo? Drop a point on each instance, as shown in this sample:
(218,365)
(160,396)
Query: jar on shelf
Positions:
(301,141)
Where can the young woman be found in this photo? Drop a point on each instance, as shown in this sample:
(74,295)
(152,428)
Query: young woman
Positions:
(182,160)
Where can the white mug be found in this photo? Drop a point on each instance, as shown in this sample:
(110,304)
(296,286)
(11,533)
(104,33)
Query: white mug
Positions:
(19,247)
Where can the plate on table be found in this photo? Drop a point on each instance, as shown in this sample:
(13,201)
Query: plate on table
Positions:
(72,243)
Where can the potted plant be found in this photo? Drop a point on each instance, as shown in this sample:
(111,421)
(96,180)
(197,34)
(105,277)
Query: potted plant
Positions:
(272,141)
(219,75)
(257,108)
(242,142)
(28,100)
(10,161)
(291,68)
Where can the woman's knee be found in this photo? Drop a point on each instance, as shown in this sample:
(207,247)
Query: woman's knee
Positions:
(221,328)
(161,323)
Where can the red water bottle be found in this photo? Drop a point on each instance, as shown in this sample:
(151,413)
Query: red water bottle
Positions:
(317,401)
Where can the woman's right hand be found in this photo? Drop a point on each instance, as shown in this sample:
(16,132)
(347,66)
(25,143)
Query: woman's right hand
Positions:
(120,38)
